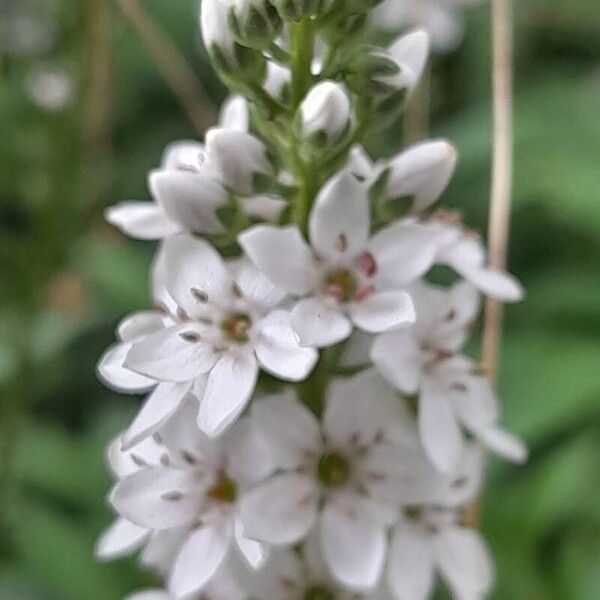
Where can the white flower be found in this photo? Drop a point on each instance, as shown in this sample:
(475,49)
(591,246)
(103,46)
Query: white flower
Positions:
(216,34)
(326,108)
(221,327)
(276,79)
(236,157)
(465,253)
(288,575)
(433,537)
(419,174)
(195,491)
(423,359)
(410,53)
(344,277)
(336,476)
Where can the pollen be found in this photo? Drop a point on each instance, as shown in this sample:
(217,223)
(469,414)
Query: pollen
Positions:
(237,327)
(341,285)
(333,469)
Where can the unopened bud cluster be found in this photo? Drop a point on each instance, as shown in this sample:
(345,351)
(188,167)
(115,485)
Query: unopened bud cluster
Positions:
(311,428)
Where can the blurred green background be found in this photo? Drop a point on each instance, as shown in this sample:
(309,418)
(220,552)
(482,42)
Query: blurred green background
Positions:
(84,114)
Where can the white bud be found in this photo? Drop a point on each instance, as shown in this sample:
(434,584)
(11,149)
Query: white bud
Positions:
(422,173)
(234,113)
(215,29)
(325,108)
(277,78)
(236,157)
(410,53)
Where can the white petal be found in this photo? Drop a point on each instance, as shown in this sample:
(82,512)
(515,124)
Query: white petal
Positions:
(397,356)
(278,350)
(438,428)
(339,221)
(318,324)
(142,220)
(280,511)
(410,573)
(496,284)
(382,311)
(183,155)
(421,173)
(125,462)
(157,409)
(197,562)
(354,546)
(288,427)
(161,550)
(174,354)
(235,157)
(282,255)
(410,52)
(189,199)
(326,108)
(229,387)
(263,207)
(254,552)
(113,374)
(120,539)
(159,497)
(195,274)
(249,456)
(359,409)
(406,250)
(234,113)
(255,287)
(475,401)
(465,561)
(503,443)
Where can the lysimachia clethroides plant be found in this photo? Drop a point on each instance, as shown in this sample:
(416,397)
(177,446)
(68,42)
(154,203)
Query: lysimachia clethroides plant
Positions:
(311,429)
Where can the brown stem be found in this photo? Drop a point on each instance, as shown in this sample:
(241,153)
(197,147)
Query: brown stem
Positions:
(171,64)
(499,217)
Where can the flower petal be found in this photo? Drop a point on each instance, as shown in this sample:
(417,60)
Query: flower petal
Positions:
(120,539)
(156,411)
(255,287)
(150,595)
(280,511)
(318,324)
(282,255)
(421,173)
(195,275)
(174,354)
(141,220)
(406,250)
(113,374)
(360,409)
(465,561)
(288,427)
(383,311)
(234,113)
(229,387)
(410,573)
(503,443)
(397,356)
(189,199)
(198,560)
(438,428)
(254,552)
(353,544)
(159,497)
(278,350)
(183,155)
(339,221)
(410,53)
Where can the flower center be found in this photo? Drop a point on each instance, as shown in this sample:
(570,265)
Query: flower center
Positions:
(333,469)
(318,592)
(236,327)
(225,490)
(341,285)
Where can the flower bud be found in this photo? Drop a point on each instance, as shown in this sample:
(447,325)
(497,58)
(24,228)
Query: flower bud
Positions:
(325,112)
(236,157)
(277,80)
(410,54)
(253,23)
(370,70)
(220,43)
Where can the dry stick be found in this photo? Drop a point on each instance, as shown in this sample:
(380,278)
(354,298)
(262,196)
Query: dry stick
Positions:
(171,65)
(499,217)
